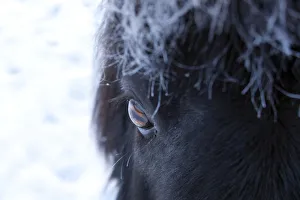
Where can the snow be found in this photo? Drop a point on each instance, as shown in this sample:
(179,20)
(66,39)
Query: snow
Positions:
(47,148)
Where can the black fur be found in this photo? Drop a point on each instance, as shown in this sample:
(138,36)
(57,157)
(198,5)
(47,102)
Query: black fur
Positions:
(240,143)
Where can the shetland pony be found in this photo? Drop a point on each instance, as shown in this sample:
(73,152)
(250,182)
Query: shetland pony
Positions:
(198,99)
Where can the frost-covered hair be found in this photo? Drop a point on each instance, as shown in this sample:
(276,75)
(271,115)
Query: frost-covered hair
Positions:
(251,43)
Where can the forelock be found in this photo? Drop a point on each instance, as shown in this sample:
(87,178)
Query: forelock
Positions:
(253,43)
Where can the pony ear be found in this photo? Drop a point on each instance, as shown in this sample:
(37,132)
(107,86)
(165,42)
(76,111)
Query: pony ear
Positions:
(110,119)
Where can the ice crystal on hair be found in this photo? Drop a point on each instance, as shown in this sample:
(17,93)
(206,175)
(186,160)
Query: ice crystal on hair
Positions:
(261,48)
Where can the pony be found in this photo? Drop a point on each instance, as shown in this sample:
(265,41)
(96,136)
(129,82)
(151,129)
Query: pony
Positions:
(199,99)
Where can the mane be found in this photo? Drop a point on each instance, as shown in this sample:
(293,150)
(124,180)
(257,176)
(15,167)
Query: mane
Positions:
(252,43)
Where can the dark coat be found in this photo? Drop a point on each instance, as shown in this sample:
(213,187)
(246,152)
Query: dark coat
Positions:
(220,79)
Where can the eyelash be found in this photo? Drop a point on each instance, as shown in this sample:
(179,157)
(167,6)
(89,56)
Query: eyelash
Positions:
(120,99)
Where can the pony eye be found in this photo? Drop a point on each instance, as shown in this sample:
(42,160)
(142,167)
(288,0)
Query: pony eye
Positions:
(137,115)
(139,118)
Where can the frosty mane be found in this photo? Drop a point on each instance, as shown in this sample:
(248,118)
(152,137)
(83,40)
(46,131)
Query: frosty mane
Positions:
(251,43)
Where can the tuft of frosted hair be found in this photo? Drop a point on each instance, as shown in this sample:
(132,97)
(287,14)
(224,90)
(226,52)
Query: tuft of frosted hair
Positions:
(253,43)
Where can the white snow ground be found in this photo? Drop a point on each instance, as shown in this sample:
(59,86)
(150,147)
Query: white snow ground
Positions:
(47,150)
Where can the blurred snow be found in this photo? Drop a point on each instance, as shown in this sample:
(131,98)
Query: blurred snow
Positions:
(47,149)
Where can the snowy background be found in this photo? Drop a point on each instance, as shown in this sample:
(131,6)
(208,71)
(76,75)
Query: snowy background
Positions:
(46,92)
